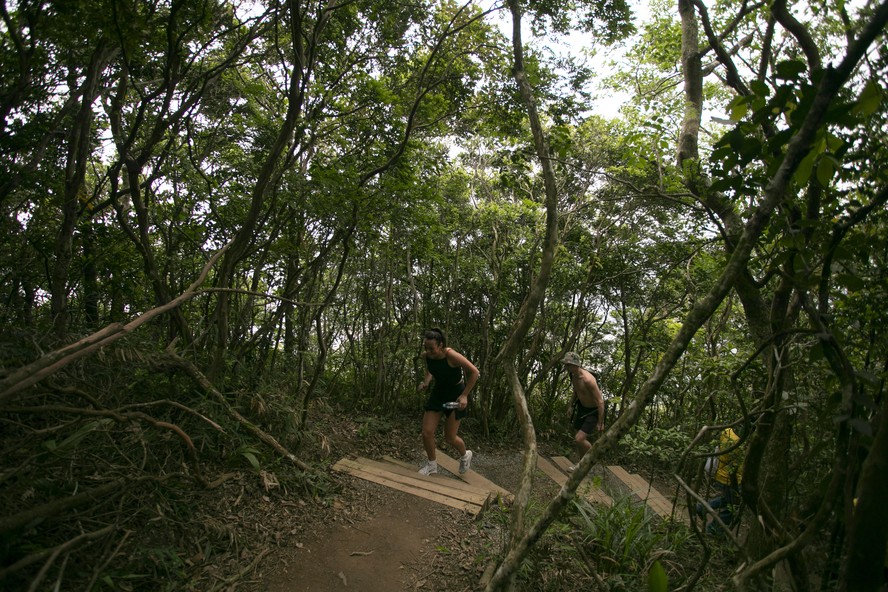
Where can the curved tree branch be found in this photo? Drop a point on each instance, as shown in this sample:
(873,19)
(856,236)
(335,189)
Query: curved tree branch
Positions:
(798,30)
(207,385)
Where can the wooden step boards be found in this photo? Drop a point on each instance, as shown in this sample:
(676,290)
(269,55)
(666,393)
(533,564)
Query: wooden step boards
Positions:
(644,491)
(470,493)
(587,488)
(638,487)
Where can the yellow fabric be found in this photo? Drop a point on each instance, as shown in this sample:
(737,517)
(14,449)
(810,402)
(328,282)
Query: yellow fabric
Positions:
(731,462)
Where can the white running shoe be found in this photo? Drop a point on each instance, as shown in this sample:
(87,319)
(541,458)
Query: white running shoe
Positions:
(430,468)
(465,462)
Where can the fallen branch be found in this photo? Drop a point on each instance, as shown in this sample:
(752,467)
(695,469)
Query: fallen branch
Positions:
(227,583)
(10,523)
(100,568)
(126,416)
(53,555)
(46,366)
(205,384)
(177,405)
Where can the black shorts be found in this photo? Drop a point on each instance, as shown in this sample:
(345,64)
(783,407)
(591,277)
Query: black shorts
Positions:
(586,418)
(437,399)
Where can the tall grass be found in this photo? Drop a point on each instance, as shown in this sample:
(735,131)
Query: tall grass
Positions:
(620,543)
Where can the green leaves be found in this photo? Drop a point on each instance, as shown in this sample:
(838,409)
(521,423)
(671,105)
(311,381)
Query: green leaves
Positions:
(869,100)
(73,441)
(821,158)
(790,70)
(657,579)
(560,140)
(250,454)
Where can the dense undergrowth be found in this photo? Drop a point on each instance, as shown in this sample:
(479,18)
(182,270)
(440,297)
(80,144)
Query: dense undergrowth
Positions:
(158,484)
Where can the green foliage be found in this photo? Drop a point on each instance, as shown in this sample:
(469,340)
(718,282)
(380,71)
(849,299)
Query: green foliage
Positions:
(660,446)
(623,540)
(70,443)
(161,564)
(607,20)
(373,426)
(657,579)
(249,453)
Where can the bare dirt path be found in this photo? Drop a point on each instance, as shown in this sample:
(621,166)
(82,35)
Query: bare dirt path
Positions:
(383,552)
(376,539)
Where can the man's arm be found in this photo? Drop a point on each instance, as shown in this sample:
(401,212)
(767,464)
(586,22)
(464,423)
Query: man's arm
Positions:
(598,398)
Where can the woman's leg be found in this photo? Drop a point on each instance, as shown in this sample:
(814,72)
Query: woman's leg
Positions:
(430,421)
(451,426)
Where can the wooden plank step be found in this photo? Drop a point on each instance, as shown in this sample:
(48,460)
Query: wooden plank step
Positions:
(587,488)
(654,498)
(470,476)
(488,486)
(643,490)
(562,462)
(437,484)
(395,461)
(669,508)
(437,479)
(551,470)
(391,480)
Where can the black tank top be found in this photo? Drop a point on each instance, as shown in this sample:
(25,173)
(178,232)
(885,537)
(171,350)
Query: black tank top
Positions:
(446,376)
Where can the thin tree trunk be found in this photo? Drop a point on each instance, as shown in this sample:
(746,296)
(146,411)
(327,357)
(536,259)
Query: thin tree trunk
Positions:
(504,575)
(79,141)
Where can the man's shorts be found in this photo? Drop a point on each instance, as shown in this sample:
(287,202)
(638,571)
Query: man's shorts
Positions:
(586,418)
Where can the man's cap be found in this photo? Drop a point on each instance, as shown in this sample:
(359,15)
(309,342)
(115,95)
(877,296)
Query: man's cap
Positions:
(572,359)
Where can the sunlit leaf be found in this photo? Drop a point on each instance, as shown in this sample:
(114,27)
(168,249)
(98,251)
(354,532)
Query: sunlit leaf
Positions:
(806,167)
(252,459)
(738,110)
(826,169)
(869,100)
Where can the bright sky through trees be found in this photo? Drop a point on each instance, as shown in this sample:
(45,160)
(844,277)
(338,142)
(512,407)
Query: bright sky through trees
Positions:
(579,46)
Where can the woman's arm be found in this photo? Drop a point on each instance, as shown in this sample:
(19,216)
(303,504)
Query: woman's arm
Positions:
(456,359)
(428,376)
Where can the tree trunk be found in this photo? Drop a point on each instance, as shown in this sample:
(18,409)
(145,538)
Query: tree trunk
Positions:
(504,576)
(865,562)
(78,152)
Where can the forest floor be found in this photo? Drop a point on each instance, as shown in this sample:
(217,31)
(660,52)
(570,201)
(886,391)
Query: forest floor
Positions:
(381,539)
(369,537)
(363,536)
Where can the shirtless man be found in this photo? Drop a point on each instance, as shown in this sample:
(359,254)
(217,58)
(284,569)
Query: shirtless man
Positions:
(587,405)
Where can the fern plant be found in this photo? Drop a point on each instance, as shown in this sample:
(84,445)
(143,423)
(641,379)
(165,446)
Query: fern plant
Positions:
(622,540)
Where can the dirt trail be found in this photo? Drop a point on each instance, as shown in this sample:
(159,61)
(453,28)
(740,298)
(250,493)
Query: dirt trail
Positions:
(380,554)
(377,539)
